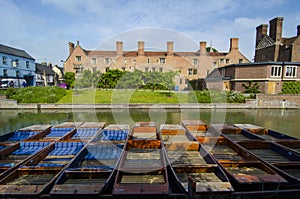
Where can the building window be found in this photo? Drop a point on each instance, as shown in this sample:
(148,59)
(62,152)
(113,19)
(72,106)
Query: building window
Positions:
(4,60)
(125,60)
(180,81)
(195,72)
(161,69)
(93,60)
(133,61)
(148,60)
(162,60)
(263,56)
(190,71)
(291,71)
(15,63)
(5,72)
(240,61)
(94,69)
(223,72)
(221,61)
(275,71)
(186,81)
(17,73)
(227,61)
(77,58)
(146,69)
(195,61)
(27,64)
(106,69)
(153,68)
(123,68)
(214,63)
(106,61)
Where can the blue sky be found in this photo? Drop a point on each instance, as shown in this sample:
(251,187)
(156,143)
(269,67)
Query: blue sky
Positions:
(44,27)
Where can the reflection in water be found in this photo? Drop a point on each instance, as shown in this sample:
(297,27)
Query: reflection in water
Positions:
(285,121)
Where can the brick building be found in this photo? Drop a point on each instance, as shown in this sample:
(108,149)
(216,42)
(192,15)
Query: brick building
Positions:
(269,75)
(192,65)
(273,47)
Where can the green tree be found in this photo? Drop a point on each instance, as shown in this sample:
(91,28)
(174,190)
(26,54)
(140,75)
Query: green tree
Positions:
(69,78)
(110,79)
(131,80)
(88,79)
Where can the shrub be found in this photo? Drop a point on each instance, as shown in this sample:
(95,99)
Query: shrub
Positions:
(291,88)
(215,97)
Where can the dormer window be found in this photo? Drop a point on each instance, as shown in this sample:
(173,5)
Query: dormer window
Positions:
(77,58)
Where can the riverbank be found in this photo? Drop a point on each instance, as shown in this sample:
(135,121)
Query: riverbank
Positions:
(261,102)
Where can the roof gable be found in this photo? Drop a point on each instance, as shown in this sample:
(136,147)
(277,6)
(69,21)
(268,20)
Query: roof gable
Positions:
(13,51)
(265,42)
(40,68)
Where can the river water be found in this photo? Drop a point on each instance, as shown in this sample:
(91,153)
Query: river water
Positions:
(285,121)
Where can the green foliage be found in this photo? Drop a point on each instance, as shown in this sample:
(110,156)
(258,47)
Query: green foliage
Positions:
(215,97)
(69,78)
(49,94)
(11,91)
(291,88)
(235,97)
(110,79)
(88,79)
(251,87)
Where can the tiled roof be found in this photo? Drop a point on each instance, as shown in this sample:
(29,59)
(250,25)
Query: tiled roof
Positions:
(40,68)
(101,53)
(288,41)
(13,51)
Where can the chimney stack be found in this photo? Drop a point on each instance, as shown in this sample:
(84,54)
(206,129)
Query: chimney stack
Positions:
(71,48)
(298,30)
(170,48)
(203,48)
(234,44)
(141,51)
(119,48)
(275,31)
(261,31)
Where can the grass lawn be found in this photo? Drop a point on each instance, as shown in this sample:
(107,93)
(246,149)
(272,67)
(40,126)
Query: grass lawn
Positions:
(90,96)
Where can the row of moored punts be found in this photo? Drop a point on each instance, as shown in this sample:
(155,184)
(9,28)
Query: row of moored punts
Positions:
(187,160)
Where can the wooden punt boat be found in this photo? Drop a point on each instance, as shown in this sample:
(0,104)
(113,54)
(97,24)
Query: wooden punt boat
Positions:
(187,164)
(37,175)
(270,152)
(173,133)
(245,171)
(293,145)
(13,156)
(264,133)
(196,129)
(144,131)
(93,170)
(23,134)
(142,169)
(235,133)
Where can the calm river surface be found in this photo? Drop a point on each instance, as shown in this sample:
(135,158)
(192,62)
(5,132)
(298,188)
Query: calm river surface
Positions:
(285,121)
